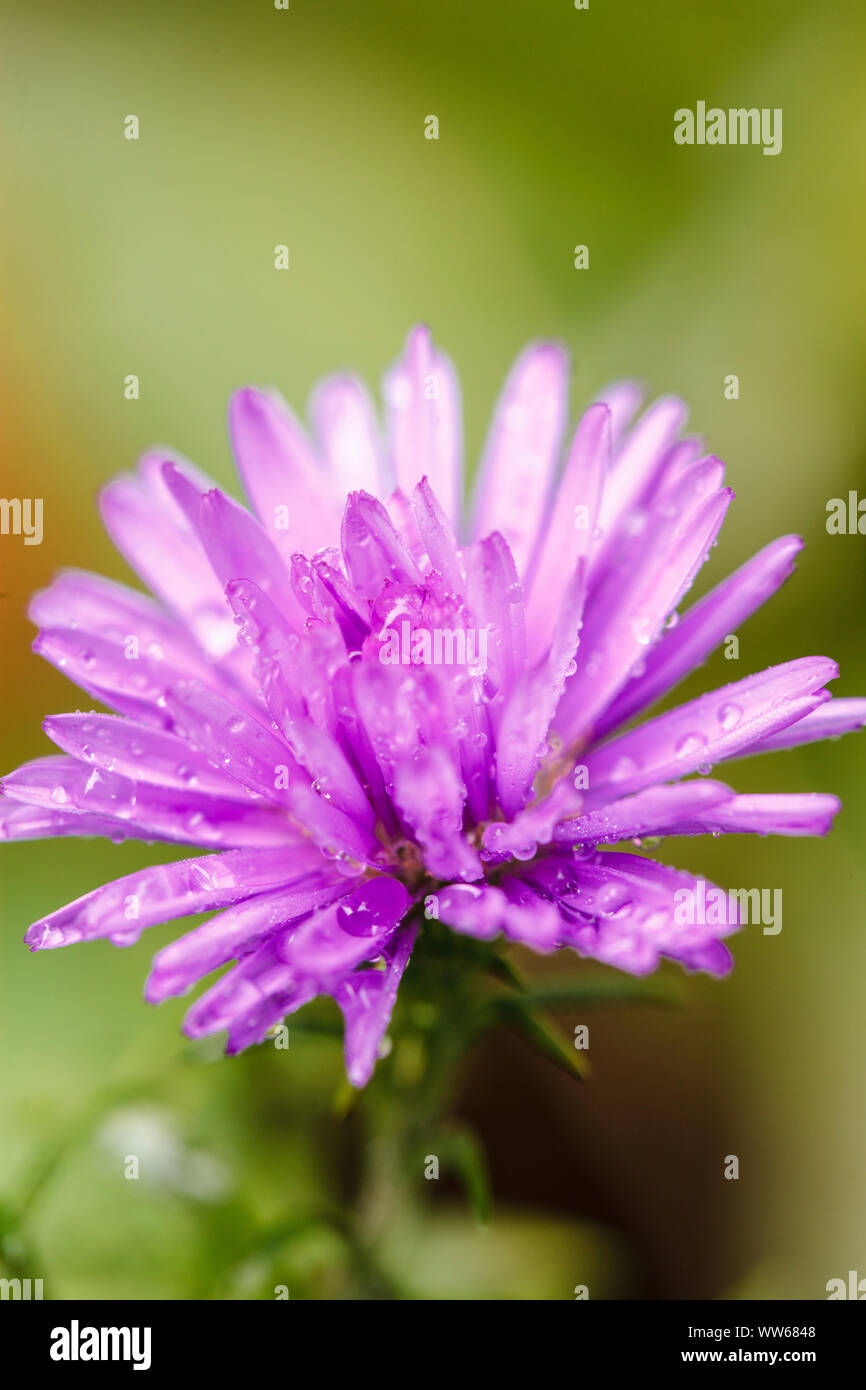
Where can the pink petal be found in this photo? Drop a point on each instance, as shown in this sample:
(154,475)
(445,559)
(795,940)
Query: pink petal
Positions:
(703,731)
(236,931)
(367,998)
(424,422)
(348,434)
(280,471)
(122,909)
(562,542)
(703,627)
(522,451)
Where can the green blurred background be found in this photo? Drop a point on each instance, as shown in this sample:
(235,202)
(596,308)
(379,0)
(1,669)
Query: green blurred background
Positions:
(155,257)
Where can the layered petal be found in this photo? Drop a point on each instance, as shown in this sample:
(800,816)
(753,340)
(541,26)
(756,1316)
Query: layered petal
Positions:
(700,630)
(281,475)
(367,998)
(718,725)
(122,909)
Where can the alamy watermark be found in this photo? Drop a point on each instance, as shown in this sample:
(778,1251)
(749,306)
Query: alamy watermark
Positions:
(22,1290)
(706,905)
(736,126)
(436,646)
(22,516)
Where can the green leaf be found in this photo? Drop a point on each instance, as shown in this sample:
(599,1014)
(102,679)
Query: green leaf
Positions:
(518,1013)
(599,992)
(462,1151)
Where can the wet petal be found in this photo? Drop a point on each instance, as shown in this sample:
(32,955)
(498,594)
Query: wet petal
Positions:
(367,998)
(21,821)
(702,628)
(438,536)
(137,751)
(522,451)
(715,726)
(122,909)
(529,709)
(345,425)
(623,620)
(373,551)
(281,475)
(156,539)
(424,422)
(238,930)
(638,462)
(830,720)
(566,538)
(249,999)
(335,940)
(496,599)
(161,813)
(655,811)
(765,813)
(431,798)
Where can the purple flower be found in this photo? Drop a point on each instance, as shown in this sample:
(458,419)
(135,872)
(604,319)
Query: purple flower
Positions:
(370,711)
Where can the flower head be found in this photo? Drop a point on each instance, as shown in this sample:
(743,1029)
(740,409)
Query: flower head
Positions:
(370,711)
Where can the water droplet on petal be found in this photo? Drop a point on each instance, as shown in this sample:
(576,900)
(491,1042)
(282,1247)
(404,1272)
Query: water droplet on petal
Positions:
(689,744)
(729,715)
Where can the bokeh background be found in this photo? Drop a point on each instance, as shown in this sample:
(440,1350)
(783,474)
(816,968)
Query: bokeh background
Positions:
(155,257)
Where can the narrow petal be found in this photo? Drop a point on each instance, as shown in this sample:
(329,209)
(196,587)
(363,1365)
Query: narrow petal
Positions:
(623,620)
(622,399)
(238,547)
(638,461)
(157,541)
(137,751)
(655,811)
(431,798)
(288,490)
(250,998)
(98,607)
(496,599)
(254,756)
(132,687)
(529,709)
(345,425)
(181,964)
(830,720)
(522,451)
(121,910)
(367,998)
(702,628)
(424,422)
(438,537)
(283,673)
(159,812)
(336,939)
(628,911)
(796,813)
(373,551)
(567,536)
(251,754)
(717,725)
(21,821)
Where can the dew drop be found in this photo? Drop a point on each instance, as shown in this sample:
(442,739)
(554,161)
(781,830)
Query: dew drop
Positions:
(729,716)
(689,744)
(613,900)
